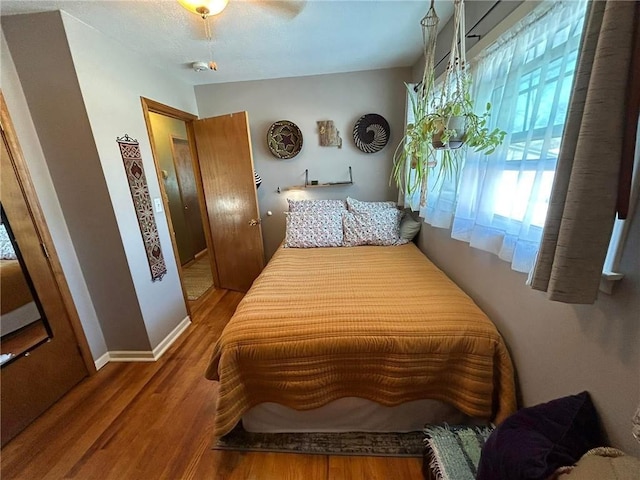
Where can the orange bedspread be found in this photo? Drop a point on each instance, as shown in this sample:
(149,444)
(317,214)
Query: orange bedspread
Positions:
(381,323)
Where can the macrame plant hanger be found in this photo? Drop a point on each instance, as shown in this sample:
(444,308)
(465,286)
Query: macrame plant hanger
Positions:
(429,24)
(456,72)
(425,91)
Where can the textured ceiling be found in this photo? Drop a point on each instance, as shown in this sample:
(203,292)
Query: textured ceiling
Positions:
(258,39)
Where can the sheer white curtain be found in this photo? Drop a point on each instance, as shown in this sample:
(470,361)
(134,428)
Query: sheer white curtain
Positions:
(500,202)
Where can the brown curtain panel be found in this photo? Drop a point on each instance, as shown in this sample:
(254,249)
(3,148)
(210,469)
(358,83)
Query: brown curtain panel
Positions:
(582,207)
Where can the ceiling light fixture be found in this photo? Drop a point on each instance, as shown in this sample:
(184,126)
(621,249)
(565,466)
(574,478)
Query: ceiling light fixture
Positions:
(204,8)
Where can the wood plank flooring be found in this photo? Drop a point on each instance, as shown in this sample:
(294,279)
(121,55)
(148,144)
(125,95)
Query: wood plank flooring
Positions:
(145,421)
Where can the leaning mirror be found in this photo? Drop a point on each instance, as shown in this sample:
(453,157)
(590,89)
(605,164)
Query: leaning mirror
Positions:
(23,325)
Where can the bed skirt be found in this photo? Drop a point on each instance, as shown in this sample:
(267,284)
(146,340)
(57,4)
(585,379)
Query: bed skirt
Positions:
(352,414)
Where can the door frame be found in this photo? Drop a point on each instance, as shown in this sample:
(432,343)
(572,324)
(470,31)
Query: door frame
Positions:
(40,223)
(152,106)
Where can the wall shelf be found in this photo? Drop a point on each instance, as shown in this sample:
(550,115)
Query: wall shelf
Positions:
(308,184)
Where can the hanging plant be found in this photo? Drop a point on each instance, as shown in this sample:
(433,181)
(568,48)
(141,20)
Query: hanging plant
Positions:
(445,122)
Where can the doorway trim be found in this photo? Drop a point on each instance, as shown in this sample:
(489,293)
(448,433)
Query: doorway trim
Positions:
(31,199)
(152,106)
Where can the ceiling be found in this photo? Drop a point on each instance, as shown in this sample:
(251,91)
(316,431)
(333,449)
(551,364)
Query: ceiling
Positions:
(258,39)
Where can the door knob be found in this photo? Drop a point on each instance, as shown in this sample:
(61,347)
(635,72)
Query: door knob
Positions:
(253,222)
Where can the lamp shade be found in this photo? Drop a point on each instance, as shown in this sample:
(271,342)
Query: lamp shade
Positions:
(204,7)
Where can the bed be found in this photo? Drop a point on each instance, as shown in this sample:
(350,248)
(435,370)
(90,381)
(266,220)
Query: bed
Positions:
(375,324)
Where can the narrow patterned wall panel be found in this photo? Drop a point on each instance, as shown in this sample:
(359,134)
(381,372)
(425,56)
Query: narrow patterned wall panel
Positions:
(130,152)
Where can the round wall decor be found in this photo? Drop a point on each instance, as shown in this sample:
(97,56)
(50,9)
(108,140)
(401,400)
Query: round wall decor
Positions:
(371,133)
(284,139)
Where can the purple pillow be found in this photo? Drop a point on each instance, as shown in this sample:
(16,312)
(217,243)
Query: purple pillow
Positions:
(535,441)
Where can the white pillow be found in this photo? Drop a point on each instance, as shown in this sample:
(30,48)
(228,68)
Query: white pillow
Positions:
(366,207)
(309,230)
(6,248)
(380,227)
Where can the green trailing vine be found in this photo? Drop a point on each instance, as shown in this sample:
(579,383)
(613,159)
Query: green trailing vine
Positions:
(445,123)
(416,149)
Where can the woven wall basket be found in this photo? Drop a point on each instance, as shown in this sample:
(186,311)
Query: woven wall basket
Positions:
(371,133)
(284,139)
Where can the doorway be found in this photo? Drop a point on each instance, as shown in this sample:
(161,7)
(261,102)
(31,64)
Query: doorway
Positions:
(175,164)
(222,164)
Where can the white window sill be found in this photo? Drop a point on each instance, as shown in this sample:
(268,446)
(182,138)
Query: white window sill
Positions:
(608,280)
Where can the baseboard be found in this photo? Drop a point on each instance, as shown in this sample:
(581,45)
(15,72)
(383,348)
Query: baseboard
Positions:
(102,361)
(131,356)
(172,337)
(142,355)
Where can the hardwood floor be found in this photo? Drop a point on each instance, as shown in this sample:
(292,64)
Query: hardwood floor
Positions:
(149,421)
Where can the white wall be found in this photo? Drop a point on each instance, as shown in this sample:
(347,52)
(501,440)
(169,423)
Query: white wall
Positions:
(342,98)
(36,162)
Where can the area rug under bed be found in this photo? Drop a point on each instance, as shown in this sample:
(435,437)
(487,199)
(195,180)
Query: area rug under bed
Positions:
(351,443)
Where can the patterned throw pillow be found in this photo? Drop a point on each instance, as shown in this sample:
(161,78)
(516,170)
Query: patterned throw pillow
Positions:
(318,229)
(367,207)
(316,205)
(380,227)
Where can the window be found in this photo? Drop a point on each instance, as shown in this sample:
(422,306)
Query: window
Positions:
(501,200)
(620,232)
(539,108)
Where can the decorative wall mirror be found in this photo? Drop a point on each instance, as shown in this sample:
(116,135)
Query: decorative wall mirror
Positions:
(23,324)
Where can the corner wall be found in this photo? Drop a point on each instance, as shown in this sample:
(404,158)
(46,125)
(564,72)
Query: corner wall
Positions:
(83,90)
(39,171)
(558,349)
(112,79)
(47,75)
(342,98)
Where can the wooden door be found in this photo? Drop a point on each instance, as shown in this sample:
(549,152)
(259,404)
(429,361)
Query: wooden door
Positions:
(39,376)
(226,166)
(183,165)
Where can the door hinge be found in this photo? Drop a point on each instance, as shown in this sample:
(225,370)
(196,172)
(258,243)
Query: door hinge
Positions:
(45,251)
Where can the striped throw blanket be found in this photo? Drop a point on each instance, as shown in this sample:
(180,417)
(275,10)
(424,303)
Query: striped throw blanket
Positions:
(455,450)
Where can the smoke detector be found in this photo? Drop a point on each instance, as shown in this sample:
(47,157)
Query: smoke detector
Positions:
(200,66)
